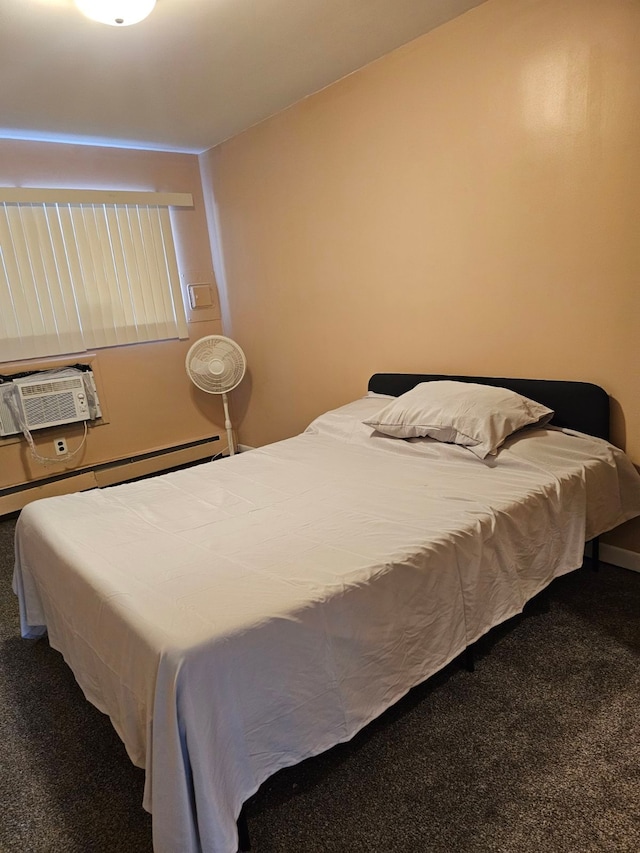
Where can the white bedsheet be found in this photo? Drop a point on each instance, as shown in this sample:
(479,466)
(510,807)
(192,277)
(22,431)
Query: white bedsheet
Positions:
(239,616)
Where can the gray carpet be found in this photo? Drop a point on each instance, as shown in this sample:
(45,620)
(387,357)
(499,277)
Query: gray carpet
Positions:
(538,750)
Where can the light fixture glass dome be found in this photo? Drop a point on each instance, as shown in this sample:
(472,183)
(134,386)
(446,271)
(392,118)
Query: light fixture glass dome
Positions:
(117,13)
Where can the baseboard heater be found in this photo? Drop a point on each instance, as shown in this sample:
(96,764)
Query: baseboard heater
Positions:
(14,498)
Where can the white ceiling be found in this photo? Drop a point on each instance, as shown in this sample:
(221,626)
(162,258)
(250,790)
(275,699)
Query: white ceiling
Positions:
(195,72)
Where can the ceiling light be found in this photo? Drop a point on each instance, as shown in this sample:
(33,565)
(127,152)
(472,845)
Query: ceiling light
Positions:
(118,13)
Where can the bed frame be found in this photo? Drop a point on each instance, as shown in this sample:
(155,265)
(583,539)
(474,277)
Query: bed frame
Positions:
(581,406)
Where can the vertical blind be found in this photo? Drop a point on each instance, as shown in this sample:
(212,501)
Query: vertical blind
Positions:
(76,275)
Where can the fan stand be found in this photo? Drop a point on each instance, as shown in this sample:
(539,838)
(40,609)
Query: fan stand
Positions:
(227,425)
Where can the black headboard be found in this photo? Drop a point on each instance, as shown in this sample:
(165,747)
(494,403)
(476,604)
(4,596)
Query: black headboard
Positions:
(577,405)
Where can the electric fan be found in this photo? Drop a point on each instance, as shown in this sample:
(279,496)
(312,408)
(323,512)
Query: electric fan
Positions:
(216,364)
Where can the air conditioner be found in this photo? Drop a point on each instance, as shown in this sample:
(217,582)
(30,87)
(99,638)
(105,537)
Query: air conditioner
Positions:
(45,401)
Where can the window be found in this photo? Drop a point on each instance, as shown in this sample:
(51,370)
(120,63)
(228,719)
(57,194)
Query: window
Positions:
(86,269)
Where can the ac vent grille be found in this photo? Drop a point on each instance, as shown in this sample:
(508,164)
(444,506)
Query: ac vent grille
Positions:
(51,387)
(42,410)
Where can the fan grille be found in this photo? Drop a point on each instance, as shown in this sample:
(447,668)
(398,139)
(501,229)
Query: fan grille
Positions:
(215,364)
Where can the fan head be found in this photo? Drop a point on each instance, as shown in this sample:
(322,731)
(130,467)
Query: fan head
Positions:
(216,364)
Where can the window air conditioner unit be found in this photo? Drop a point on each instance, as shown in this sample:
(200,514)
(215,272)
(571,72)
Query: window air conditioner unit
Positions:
(47,401)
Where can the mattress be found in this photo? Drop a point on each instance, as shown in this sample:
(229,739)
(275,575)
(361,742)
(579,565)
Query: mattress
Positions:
(239,616)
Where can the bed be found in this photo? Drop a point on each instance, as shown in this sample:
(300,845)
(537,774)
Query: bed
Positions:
(239,616)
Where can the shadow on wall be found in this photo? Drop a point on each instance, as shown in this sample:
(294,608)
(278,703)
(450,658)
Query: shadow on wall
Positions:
(618,424)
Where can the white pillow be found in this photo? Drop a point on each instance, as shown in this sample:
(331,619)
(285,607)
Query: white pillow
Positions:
(479,417)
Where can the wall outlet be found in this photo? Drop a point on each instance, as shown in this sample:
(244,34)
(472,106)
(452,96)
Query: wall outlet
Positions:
(60,445)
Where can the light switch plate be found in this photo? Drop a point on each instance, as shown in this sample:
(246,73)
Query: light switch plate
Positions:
(200,296)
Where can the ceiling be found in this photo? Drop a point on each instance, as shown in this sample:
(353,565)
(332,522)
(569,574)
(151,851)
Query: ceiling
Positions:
(195,72)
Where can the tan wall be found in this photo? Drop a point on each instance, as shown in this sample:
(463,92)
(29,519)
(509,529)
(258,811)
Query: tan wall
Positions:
(148,399)
(467,204)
